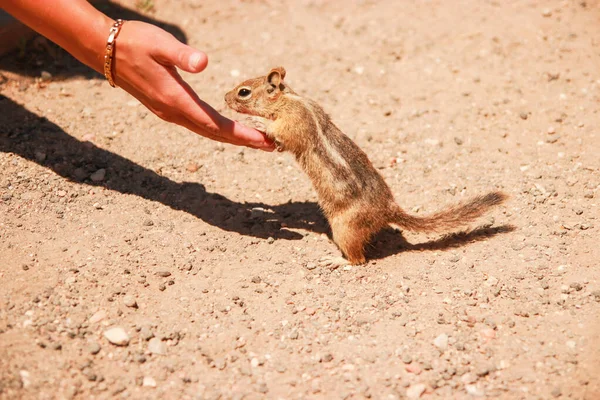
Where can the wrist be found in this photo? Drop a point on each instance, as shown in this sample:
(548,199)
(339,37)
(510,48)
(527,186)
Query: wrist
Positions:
(93,46)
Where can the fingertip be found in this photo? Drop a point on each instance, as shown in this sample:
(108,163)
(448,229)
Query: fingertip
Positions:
(253,137)
(198,61)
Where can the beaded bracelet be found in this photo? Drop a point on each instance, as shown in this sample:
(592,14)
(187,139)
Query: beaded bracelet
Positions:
(110,51)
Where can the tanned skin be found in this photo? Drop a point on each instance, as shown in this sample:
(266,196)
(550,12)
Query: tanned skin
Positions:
(353,195)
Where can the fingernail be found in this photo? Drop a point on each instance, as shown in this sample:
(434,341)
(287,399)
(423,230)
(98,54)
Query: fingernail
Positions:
(261,145)
(195,60)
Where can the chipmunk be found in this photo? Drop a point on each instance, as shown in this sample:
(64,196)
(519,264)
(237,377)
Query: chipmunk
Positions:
(353,196)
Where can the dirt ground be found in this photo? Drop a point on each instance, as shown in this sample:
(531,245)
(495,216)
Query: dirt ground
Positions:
(206,255)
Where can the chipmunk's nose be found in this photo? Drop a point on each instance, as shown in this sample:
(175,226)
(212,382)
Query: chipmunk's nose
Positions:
(228,98)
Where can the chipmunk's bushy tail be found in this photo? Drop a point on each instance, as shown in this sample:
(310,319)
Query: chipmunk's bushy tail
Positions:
(451,217)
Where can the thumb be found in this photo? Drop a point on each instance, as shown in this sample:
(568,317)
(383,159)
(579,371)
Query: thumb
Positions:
(188,59)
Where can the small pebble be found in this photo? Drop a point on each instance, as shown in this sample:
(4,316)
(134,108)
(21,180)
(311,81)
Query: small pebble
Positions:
(163,273)
(99,175)
(94,348)
(474,391)
(146,333)
(117,336)
(220,363)
(491,281)
(484,370)
(413,368)
(192,167)
(157,346)
(441,342)
(97,317)
(89,374)
(149,382)
(310,266)
(488,333)
(576,285)
(130,301)
(262,388)
(415,391)
(40,156)
(140,358)
(280,368)
(256,279)
(46,76)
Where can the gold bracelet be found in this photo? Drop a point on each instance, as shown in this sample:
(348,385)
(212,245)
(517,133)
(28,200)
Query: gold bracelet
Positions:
(110,51)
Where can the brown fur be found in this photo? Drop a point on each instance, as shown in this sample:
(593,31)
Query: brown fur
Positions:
(353,195)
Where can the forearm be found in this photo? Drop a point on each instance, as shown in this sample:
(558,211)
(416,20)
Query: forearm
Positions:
(75,25)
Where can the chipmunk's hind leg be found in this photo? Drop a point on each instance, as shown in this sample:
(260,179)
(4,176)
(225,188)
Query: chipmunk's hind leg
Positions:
(351,240)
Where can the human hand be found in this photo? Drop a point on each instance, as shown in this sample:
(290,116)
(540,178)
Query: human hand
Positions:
(145,65)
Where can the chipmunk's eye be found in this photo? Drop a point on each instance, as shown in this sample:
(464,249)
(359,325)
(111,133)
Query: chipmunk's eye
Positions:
(244,92)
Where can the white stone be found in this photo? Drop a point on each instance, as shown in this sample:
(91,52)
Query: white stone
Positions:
(97,317)
(157,346)
(130,301)
(149,381)
(25,378)
(474,390)
(491,281)
(415,391)
(117,335)
(441,342)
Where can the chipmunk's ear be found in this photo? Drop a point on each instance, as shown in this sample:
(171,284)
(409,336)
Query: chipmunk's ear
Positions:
(275,76)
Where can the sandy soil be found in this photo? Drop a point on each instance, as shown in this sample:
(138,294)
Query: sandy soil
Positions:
(205,254)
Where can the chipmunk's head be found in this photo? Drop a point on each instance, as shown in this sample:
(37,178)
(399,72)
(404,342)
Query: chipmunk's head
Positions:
(262,97)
